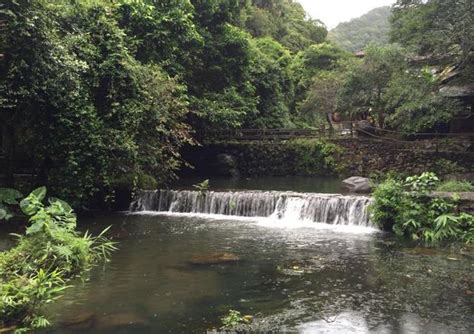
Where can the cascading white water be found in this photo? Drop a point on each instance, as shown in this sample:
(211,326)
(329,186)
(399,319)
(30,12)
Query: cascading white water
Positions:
(288,206)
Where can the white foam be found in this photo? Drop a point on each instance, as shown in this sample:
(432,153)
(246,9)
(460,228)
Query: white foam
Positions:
(270,222)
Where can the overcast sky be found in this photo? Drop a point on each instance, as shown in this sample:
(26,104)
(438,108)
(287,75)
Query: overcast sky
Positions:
(333,12)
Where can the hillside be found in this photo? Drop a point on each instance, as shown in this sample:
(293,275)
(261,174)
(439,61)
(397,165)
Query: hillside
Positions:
(356,34)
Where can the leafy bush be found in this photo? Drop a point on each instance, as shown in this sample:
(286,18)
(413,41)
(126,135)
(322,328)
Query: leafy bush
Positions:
(235,318)
(422,183)
(22,297)
(455,186)
(8,197)
(202,187)
(388,200)
(36,271)
(408,209)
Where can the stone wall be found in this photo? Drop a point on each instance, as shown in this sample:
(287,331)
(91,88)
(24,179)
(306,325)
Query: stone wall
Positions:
(352,156)
(268,158)
(367,156)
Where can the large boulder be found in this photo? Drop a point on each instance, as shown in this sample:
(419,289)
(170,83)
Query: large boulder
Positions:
(357,184)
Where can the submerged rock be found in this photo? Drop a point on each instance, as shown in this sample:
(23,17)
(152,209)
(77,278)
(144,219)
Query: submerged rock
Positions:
(358,184)
(120,320)
(424,251)
(81,320)
(217,258)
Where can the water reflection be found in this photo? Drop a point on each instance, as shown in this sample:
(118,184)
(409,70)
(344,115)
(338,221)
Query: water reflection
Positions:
(312,184)
(354,322)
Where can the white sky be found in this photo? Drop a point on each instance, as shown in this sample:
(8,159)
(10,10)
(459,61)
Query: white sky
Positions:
(333,12)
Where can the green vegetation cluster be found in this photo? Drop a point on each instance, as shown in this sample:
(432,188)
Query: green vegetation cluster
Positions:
(96,93)
(408,208)
(397,86)
(235,318)
(357,34)
(37,270)
(100,95)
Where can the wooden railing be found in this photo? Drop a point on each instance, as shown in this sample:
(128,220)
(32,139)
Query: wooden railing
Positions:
(343,130)
(278,134)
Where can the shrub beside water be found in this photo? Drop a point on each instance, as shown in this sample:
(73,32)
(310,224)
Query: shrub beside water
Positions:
(37,271)
(407,208)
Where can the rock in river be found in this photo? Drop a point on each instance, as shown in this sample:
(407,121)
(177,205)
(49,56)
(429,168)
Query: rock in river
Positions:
(358,184)
(217,258)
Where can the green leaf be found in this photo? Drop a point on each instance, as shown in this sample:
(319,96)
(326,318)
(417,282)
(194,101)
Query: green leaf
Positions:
(35,228)
(39,193)
(64,205)
(9,196)
(28,207)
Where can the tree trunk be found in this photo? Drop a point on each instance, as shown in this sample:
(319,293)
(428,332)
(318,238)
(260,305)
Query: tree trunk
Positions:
(380,110)
(328,118)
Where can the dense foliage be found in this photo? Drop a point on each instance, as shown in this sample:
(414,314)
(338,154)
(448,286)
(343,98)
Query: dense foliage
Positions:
(440,30)
(36,271)
(408,208)
(99,95)
(95,90)
(82,108)
(357,34)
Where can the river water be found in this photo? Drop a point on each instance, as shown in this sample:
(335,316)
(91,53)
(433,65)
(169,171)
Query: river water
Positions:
(291,276)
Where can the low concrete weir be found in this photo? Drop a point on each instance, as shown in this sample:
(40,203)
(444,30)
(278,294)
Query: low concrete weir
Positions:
(308,207)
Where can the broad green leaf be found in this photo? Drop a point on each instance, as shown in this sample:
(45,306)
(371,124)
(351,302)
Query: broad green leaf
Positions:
(39,193)
(35,228)
(64,205)
(28,207)
(9,196)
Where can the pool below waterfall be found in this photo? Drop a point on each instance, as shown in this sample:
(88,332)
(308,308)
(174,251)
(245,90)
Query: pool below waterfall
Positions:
(181,271)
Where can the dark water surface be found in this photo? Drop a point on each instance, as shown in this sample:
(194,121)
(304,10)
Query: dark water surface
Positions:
(292,183)
(307,279)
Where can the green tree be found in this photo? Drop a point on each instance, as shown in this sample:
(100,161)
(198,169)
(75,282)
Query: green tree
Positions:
(285,21)
(415,103)
(440,29)
(273,86)
(162,32)
(219,81)
(81,105)
(322,98)
(307,64)
(367,82)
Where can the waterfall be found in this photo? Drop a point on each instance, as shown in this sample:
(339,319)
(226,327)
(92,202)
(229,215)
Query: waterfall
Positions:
(309,207)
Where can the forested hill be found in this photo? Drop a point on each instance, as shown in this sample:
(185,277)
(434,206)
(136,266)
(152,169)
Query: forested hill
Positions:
(355,35)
